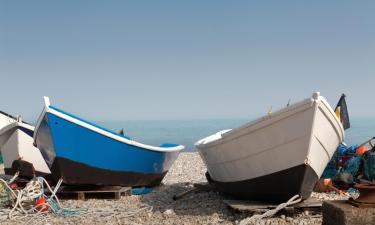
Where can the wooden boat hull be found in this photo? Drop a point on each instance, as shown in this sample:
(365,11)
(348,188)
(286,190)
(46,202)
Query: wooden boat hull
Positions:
(74,172)
(271,151)
(6,119)
(276,187)
(19,154)
(82,153)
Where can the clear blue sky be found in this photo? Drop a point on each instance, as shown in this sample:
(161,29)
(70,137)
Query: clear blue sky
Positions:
(115,60)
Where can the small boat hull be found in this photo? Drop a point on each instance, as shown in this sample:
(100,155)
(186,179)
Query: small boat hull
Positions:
(19,154)
(82,153)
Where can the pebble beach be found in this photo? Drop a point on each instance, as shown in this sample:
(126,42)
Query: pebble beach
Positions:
(158,207)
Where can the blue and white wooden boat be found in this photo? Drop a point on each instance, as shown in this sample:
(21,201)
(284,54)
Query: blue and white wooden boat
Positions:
(83,153)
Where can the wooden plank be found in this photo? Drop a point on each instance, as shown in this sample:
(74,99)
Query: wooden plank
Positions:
(309,204)
(73,189)
(244,205)
(82,193)
(117,195)
(94,190)
(81,196)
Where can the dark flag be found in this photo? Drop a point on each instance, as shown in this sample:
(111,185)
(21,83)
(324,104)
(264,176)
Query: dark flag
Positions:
(342,112)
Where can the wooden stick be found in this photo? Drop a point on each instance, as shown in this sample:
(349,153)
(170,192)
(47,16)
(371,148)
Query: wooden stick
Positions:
(369,142)
(178,196)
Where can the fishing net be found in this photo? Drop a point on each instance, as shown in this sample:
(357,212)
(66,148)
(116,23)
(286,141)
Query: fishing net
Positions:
(5,196)
(369,165)
(353,165)
(330,171)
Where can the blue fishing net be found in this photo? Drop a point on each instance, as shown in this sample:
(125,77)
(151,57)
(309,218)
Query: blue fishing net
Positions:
(332,168)
(353,165)
(330,171)
(341,150)
(369,165)
(350,150)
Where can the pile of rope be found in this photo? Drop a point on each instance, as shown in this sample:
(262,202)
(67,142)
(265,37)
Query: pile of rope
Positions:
(295,199)
(24,202)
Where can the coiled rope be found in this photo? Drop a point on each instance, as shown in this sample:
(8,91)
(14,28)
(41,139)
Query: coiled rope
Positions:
(24,199)
(23,206)
(293,200)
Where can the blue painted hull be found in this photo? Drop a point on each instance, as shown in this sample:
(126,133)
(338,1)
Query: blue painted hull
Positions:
(80,155)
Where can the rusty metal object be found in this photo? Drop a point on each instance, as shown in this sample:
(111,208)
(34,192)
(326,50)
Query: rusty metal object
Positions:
(366,197)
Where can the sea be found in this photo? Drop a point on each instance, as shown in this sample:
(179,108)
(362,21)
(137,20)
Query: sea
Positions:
(187,132)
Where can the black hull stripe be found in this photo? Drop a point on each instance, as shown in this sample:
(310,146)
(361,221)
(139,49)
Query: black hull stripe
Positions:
(29,175)
(275,187)
(12,117)
(25,169)
(77,173)
(27,131)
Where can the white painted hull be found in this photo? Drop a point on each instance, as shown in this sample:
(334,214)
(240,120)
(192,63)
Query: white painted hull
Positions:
(6,119)
(16,143)
(307,133)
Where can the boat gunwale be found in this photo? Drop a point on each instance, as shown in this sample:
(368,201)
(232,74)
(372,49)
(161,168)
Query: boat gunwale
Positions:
(98,130)
(14,118)
(333,114)
(282,112)
(12,127)
(16,124)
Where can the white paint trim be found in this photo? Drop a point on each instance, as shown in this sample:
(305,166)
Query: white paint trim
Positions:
(38,122)
(47,109)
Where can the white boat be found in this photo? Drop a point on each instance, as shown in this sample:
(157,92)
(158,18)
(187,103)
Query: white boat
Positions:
(6,119)
(277,156)
(17,149)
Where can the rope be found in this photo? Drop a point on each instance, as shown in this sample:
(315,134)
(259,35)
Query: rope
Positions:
(6,189)
(24,200)
(24,207)
(293,200)
(14,177)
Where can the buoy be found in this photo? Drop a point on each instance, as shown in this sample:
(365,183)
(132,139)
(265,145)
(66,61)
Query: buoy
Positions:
(41,205)
(14,186)
(327,181)
(361,150)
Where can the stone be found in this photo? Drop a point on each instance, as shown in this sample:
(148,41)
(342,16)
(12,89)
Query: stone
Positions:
(289,219)
(342,213)
(169,212)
